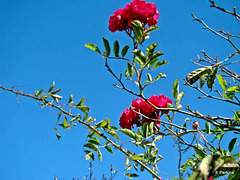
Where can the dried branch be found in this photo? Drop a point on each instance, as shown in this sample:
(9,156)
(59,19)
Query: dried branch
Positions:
(234,13)
(215,32)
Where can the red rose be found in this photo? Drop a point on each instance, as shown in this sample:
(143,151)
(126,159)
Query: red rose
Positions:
(128,119)
(146,13)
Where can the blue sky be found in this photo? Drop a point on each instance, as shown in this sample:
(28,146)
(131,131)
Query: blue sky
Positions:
(43,41)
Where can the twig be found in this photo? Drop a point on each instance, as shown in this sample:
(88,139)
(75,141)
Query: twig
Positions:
(215,32)
(234,13)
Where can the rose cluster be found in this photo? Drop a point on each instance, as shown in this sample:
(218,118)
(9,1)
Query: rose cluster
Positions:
(130,117)
(142,11)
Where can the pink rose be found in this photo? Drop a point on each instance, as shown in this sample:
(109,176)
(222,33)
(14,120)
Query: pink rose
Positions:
(146,13)
(128,119)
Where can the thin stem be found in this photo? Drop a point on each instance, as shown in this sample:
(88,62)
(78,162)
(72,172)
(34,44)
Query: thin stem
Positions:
(215,32)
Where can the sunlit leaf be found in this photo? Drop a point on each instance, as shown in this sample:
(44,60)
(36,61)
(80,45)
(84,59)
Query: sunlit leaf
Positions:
(151,28)
(175,89)
(160,63)
(52,86)
(149,77)
(70,100)
(179,98)
(93,47)
(150,49)
(140,56)
(157,54)
(234,89)
(145,130)
(236,115)
(99,153)
(130,69)
(161,75)
(222,82)
(208,127)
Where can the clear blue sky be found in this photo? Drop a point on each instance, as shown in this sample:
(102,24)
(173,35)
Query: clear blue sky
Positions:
(43,41)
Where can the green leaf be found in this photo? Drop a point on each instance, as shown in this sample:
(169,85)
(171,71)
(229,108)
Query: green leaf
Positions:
(99,153)
(125,50)
(130,70)
(128,167)
(131,134)
(229,95)
(89,154)
(208,127)
(152,62)
(116,48)
(211,79)
(138,30)
(236,115)
(56,91)
(149,77)
(93,47)
(70,99)
(94,140)
(52,86)
(179,98)
(131,175)
(145,130)
(151,28)
(58,136)
(175,89)
(193,76)
(199,150)
(232,144)
(157,54)
(140,56)
(161,75)
(151,126)
(109,149)
(136,157)
(107,47)
(65,122)
(91,146)
(101,124)
(114,134)
(150,49)
(204,77)
(80,103)
(160,63)
(234,89)
(222,82)
(37,93)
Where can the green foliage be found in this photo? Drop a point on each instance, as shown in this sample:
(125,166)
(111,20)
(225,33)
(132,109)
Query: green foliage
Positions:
(116,48)
(124,50)
(107,47)
(201,73)
(93,47)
